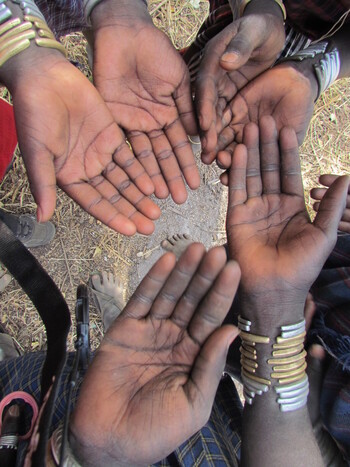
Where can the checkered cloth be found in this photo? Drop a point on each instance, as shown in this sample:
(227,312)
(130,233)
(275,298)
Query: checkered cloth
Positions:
(217,444)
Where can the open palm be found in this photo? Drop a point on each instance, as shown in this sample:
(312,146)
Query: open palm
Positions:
(159,365)
(281,92)
(233,58)
(67,135)
(145,83)
(269,231)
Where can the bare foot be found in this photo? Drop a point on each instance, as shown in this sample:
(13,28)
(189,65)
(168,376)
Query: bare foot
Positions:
(177,244)
(108,293)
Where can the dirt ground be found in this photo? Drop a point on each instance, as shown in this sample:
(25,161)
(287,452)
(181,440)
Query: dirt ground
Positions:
(83,245)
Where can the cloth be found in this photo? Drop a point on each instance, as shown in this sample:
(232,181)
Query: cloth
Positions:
(8,136)
(217,444)
(331,329)
(314,18)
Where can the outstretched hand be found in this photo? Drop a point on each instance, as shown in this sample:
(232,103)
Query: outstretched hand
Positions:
(68,136)
(145,83)
(269,230)
(153,380)
(318,193)
(233,58)
(282,92)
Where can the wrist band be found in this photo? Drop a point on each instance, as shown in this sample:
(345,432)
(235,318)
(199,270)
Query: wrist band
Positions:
(89,5)
(244,4)
(16,34)
(56,443)
(287,361)
(326,70)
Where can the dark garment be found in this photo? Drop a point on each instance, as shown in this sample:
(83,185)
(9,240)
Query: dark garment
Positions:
(314,18)
(217,444)
(331,328)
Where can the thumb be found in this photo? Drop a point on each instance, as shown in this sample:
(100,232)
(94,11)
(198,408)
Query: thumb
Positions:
(207,371)
(42,180)
(332,206)
(239,50)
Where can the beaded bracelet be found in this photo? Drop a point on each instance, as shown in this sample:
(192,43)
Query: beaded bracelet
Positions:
(288,377)
(326,70)
(16,34)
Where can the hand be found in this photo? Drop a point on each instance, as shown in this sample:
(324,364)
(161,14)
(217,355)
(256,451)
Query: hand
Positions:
(145,83)
(318,194)
(233,58)
(282,92)
(153,380)
(67,135)
(279,250)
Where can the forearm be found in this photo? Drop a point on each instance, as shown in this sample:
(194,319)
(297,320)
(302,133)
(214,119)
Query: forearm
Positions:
(26,41)
(275,433)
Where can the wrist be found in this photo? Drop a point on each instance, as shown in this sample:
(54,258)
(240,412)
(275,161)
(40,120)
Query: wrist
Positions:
(274,366)
(110,12)
(271,309)
(272,7)
(25,37)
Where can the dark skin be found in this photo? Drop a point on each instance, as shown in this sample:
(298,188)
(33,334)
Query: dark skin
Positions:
(318,193)
(232,59)
(280,253)
(145,84)
(287,92)
(68,136)
(161,360)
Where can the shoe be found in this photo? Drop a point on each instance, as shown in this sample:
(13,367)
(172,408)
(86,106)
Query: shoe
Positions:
(30,232)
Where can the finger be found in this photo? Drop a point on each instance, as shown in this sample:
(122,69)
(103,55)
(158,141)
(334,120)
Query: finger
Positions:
(270,156)
(125,159)
(42,180)
(208,142)
(207,371)
(237,178)
(177,282)
(291,178)
(169,166)
(183,151)
(185,107)
(224,177)
(224,158)
(251,140)
(118,179)
(205,100)
(318,193)
(203,279)
(142,148)
(118,199)
(94,203)
(142,299)
(214,307)
(327,179)
(239,49)
(345,226)
(332,206)
(225,138)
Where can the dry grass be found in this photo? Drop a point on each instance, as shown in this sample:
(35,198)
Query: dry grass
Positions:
(82,245)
